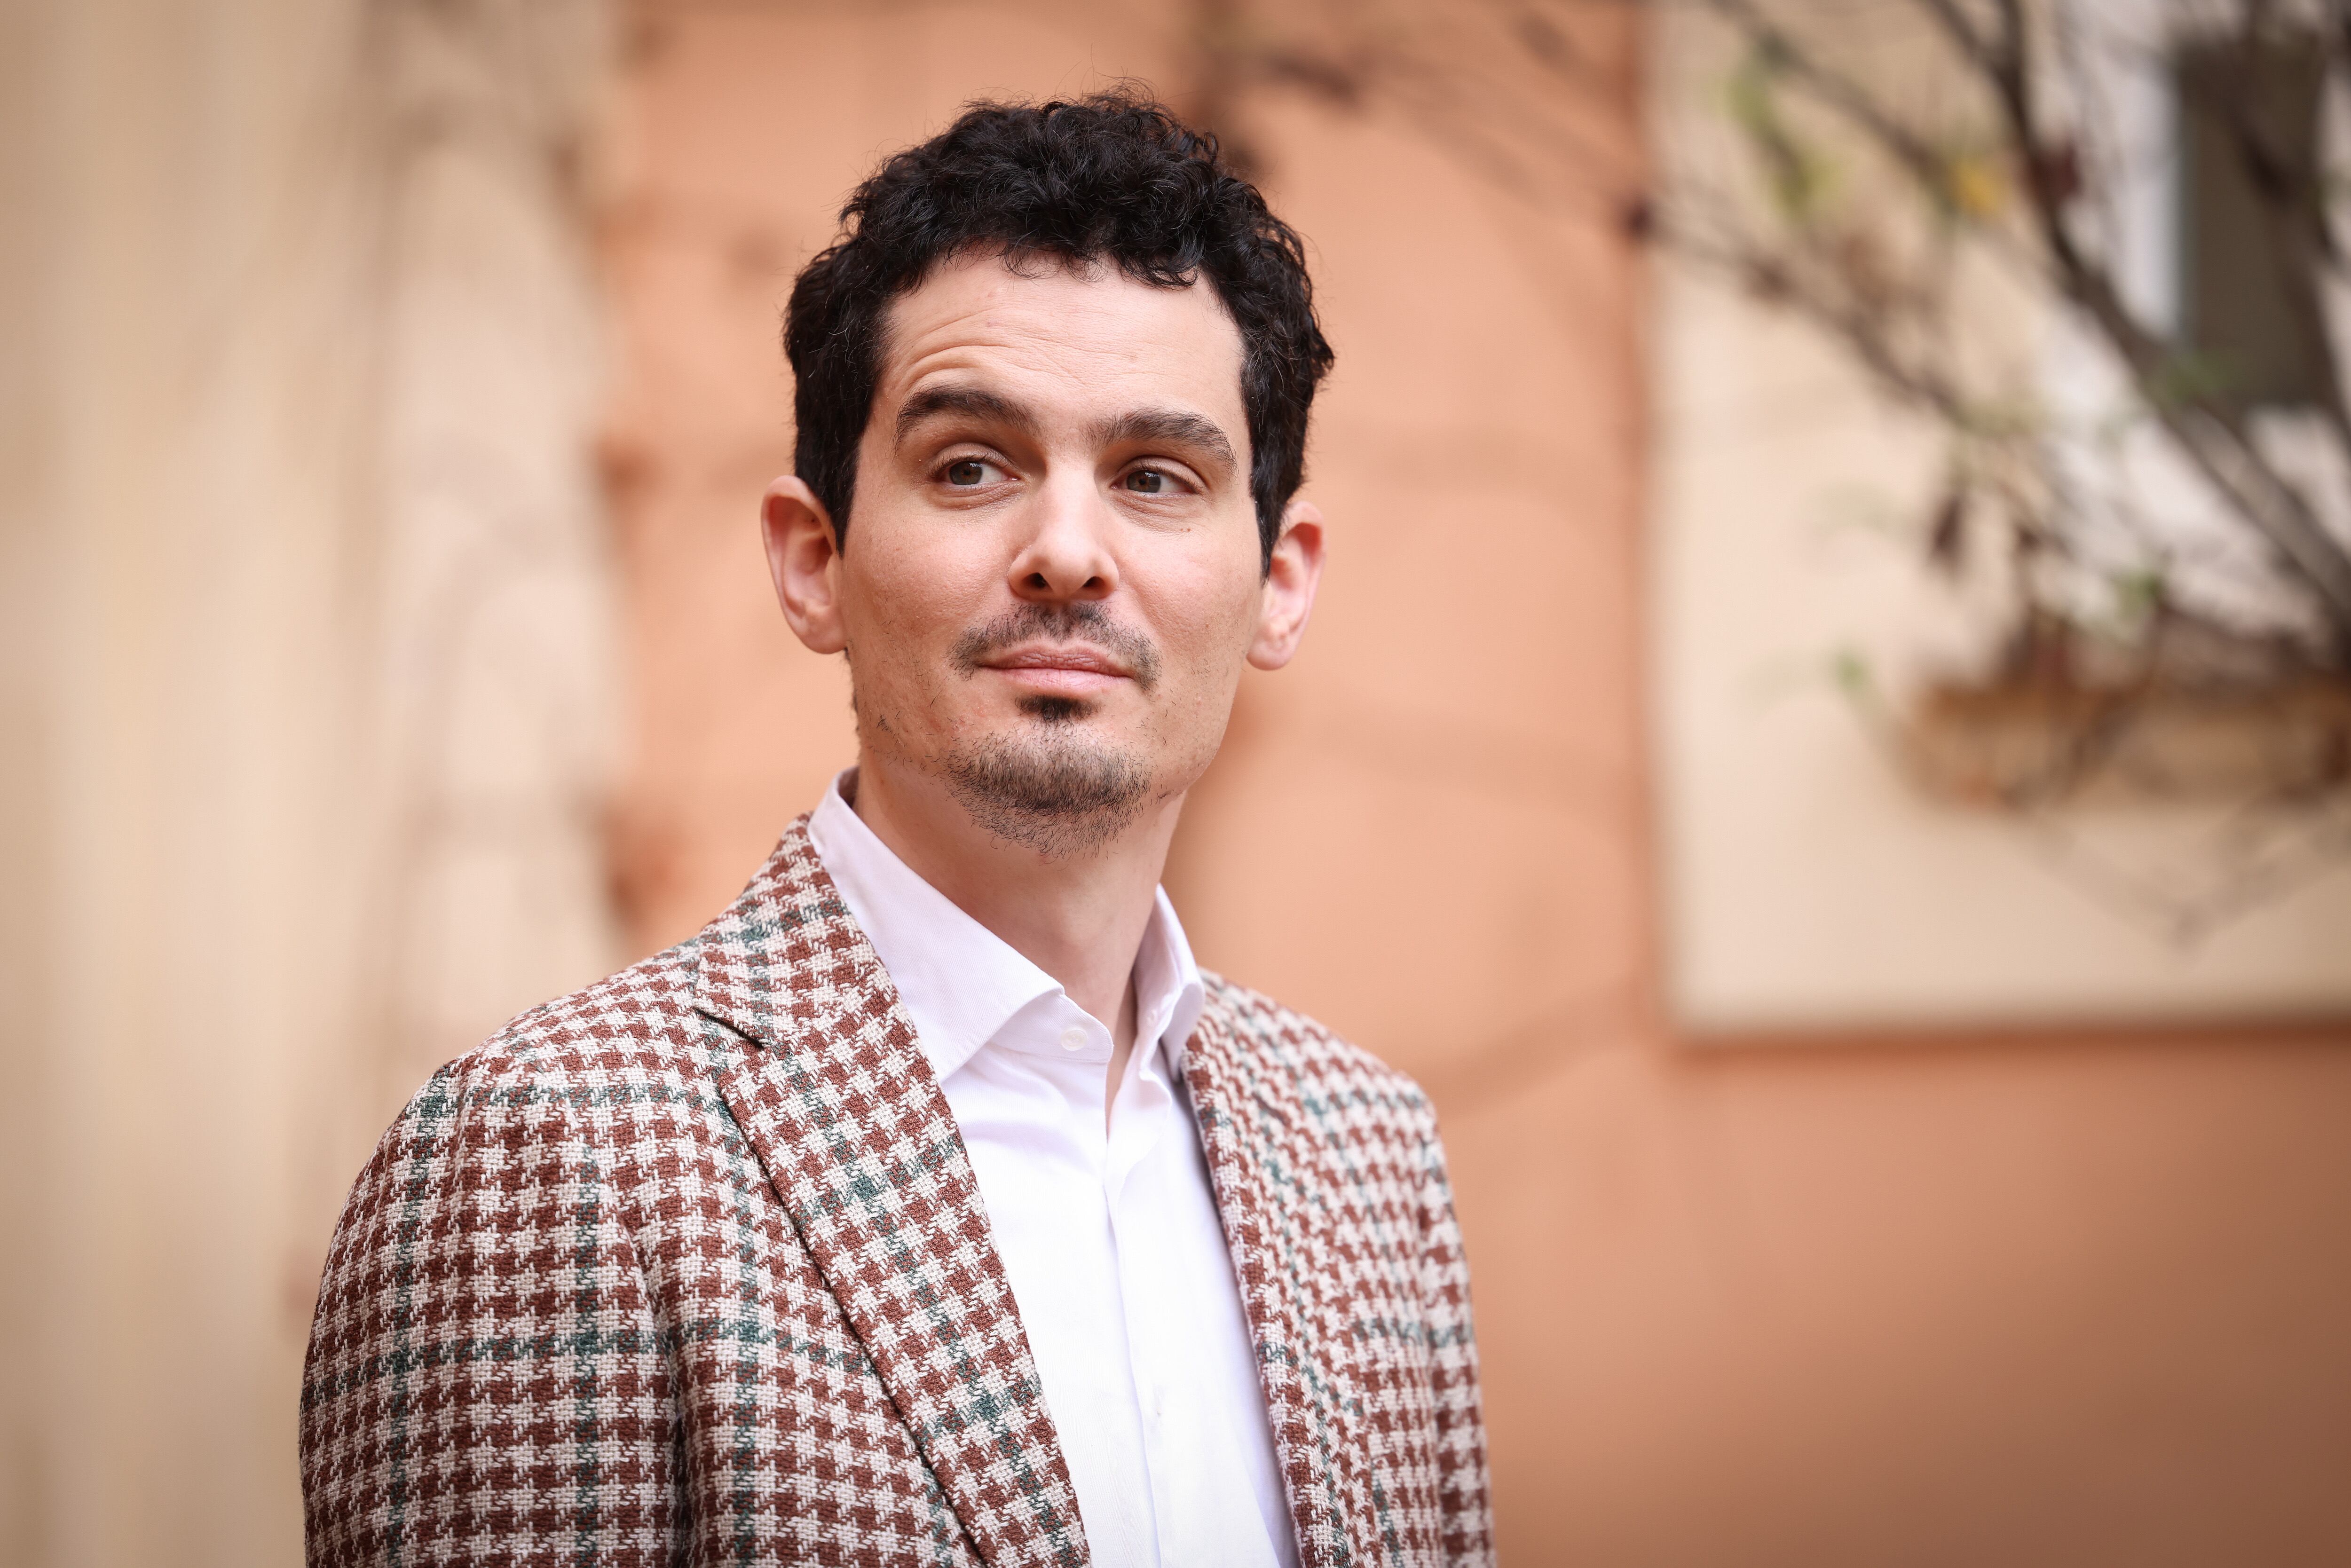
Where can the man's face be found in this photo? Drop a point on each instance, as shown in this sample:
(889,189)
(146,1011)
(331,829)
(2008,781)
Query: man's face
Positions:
(1052,579)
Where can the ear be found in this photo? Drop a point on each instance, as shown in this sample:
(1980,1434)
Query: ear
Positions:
(803,558)
(1288,598)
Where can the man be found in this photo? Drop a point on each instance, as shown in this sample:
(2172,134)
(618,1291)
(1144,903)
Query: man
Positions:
(932,1205)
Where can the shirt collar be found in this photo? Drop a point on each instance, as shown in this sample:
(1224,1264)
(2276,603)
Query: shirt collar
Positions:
(959,982)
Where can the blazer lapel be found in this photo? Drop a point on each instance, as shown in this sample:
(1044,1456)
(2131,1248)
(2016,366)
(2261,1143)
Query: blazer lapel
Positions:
(1272,1190)
(842,1107)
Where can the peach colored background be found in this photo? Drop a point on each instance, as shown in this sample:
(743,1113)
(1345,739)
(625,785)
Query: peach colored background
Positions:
(1932,1300)
(1967,1300)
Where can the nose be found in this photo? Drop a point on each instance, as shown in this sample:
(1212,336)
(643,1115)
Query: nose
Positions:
(1067,555)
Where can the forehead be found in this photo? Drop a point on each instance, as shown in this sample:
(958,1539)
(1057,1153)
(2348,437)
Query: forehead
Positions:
(1064,337)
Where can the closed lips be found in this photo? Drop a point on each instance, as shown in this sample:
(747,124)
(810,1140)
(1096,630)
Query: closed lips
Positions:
(1071,657)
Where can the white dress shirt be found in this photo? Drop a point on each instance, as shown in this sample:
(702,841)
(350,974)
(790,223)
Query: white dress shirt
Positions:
(1109,1236)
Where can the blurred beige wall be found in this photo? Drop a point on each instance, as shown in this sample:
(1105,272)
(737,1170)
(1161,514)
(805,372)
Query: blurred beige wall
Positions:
(304,620)
(2017,1300)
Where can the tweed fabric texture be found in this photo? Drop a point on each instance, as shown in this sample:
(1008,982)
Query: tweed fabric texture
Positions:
(691,1267)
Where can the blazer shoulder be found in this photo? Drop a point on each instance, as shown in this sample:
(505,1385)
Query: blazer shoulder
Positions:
(1319,1056)
(639,1021)
(589,1069)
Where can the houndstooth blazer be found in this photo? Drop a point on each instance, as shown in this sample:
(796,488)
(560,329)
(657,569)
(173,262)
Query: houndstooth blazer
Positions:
(691,1267)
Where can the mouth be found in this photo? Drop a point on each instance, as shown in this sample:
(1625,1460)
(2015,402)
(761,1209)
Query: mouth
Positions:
(1059,669)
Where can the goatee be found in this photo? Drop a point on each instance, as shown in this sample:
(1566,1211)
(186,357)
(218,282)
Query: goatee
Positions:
(1052,788)
(1054,791)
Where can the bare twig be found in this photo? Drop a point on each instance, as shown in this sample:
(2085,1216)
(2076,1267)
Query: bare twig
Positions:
(1894,317)
(2212,438)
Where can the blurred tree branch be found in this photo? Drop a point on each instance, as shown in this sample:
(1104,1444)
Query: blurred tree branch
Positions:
(1998,162)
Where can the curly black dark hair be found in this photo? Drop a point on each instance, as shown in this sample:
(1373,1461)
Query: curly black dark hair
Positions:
(1113,177)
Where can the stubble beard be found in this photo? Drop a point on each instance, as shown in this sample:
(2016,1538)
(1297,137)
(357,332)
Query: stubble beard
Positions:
(1049,789)
(1050,785)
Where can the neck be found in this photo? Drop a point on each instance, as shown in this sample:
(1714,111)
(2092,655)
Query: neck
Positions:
(1079,918)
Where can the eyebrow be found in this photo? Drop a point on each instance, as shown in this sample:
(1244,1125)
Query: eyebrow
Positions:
(972,403)
(1167,426)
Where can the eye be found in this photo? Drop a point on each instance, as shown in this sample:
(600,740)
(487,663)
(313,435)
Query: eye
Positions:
(1146,482)
(966,472)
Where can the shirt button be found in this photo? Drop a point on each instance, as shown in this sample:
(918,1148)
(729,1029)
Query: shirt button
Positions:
(1073,1038)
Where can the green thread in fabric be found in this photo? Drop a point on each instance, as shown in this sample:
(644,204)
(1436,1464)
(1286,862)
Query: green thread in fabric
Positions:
(586,1306)
(434,1108)
(857,1177)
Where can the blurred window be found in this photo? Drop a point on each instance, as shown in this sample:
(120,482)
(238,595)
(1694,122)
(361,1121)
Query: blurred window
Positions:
(2249,217)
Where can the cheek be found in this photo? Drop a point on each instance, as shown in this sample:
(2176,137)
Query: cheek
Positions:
(1207,631)
(905,605)
(897,615)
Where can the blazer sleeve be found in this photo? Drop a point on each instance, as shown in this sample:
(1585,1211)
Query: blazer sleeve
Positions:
(484,1380)
(1463,1499)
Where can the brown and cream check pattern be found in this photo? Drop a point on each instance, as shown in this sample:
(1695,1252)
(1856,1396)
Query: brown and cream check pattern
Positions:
(691,1267)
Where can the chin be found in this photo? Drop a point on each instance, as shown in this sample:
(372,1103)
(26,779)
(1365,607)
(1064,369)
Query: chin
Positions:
(1054,783)
(1053,710)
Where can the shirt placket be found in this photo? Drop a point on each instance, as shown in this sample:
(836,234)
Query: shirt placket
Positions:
(1138,1122)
